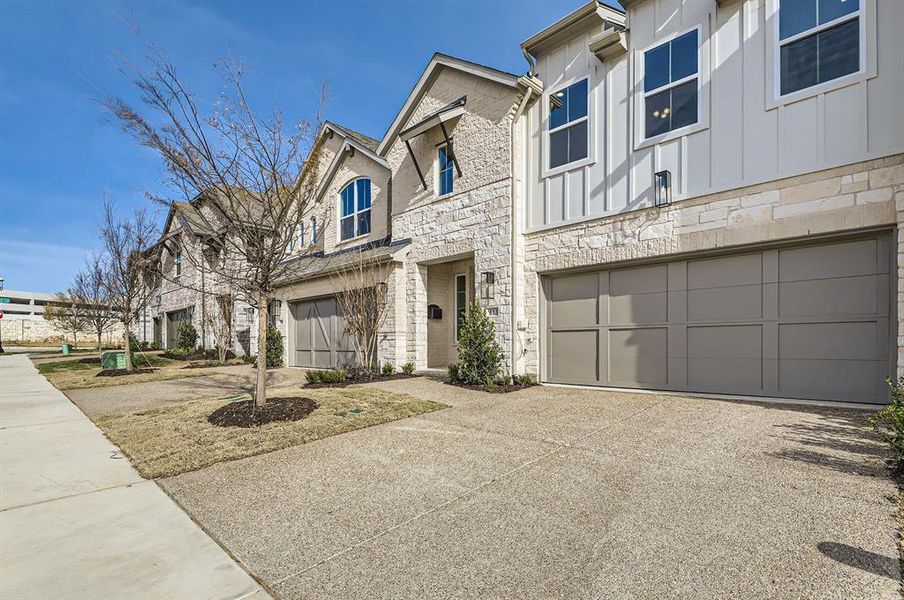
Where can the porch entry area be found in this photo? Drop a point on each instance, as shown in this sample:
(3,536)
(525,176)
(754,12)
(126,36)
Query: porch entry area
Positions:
(173,320)
(450,290)
(320,338)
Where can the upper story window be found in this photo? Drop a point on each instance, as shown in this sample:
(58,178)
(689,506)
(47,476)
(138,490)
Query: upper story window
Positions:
(354,209)
(446,180)
(297,239)
(819,40)
(568,125)
(178,263)
(670,84)
(313,230)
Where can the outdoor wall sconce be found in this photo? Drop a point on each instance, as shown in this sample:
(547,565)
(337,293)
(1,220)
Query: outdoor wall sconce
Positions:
(662,181)
(487,285)
(434,313)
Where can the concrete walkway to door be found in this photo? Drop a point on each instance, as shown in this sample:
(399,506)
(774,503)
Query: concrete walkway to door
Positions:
(76,521)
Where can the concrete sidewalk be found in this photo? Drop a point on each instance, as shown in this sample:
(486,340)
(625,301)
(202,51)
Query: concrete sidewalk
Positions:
(76,521)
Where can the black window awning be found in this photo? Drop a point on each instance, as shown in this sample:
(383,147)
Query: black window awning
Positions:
(453,110)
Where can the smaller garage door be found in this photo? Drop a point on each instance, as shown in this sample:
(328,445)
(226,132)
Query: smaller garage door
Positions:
(803,321)
(320,338)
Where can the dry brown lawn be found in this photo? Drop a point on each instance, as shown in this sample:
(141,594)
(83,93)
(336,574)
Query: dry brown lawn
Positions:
(176,439)
(70,379)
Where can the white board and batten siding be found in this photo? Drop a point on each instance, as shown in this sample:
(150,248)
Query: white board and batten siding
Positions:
(744,135)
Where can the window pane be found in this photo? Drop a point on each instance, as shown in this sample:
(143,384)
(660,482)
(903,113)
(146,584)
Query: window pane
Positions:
(798,65)
(577,142)
(348,200)
(657,117)
(442,158)
(656,68)
(577,100)
(558,108)
(796,16)
(347,228)
(684,105)
(684,56)
(829,10)
(839,50)
(558,148)
(364,222)
(363,193)
(448,181)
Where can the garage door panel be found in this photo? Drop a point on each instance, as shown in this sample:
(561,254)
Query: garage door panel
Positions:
(830,341)
(829,261)
(746,269)
(829,379)
(725,303)
(823,297)
(805,321)
(639,309)
(574,356)
(725,374)
(320,339)
(573,301)
(640,280)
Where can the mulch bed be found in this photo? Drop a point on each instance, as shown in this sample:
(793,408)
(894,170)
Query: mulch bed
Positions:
(494,389)
(120,372)
(199,355)
(95,360)
(244,414)
(359,380)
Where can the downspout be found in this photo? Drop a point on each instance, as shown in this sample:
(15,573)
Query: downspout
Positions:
(515,230)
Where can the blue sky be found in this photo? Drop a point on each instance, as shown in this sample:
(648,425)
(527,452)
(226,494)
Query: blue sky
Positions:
(60,155)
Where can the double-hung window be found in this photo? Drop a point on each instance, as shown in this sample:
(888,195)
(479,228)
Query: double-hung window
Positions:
(568,125)
(671,75)
(354,209)
(819,40)
(445,182)
(178,261)
(313,230)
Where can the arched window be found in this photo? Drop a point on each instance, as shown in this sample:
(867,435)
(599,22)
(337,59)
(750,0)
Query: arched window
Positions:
(354,209)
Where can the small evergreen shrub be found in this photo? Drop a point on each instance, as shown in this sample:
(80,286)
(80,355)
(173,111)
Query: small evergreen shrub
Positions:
(889,421)
(479,355)
(408,368)
(249,359)
(187,335)
(274,348)
(328,376)
(453,373)
(388,369)
(524,380)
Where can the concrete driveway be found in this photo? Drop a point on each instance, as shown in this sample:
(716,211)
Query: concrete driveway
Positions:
(555,492)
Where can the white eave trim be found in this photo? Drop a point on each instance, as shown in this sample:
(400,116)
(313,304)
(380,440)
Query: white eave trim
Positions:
(591,14)
(440,60)
(609,44)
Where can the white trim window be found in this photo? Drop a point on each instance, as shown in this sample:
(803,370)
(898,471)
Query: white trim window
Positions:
(445,180)
(313,230)
(671,84)
(818,41)
(354,209)
(178,262)
(569,125)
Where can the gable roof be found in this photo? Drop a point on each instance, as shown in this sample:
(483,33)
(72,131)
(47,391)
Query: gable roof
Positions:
(594,12)
(439,61)
(188,217)
(365,140)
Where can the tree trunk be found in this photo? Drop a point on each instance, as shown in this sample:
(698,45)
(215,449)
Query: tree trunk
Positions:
(128,349)
(260,394)
(99,341)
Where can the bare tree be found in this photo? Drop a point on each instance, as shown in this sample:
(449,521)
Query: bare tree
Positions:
(89,288)
(66,313)
(259,178)
(362,299)
(126,242)
(219,323)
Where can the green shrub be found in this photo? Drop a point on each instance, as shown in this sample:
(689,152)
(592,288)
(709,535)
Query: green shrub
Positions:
(524,380)
(479,356)
(187,335)
(889,421)
(388,369)
(274,348)
(328,376)
(249,359)
(178,353)
(408,368)
(453,373)
(134,344)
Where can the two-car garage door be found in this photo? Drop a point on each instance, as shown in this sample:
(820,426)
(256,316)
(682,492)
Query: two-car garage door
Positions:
(804,321)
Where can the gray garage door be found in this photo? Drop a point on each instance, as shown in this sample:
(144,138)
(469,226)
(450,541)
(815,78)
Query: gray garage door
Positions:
(320,339)
(802,322)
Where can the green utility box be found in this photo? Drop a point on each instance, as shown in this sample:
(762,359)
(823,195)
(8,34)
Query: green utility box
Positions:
(67,348)
(115,359)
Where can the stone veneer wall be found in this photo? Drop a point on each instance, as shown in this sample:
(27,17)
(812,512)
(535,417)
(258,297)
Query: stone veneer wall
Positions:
(37,329)
(859,196)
